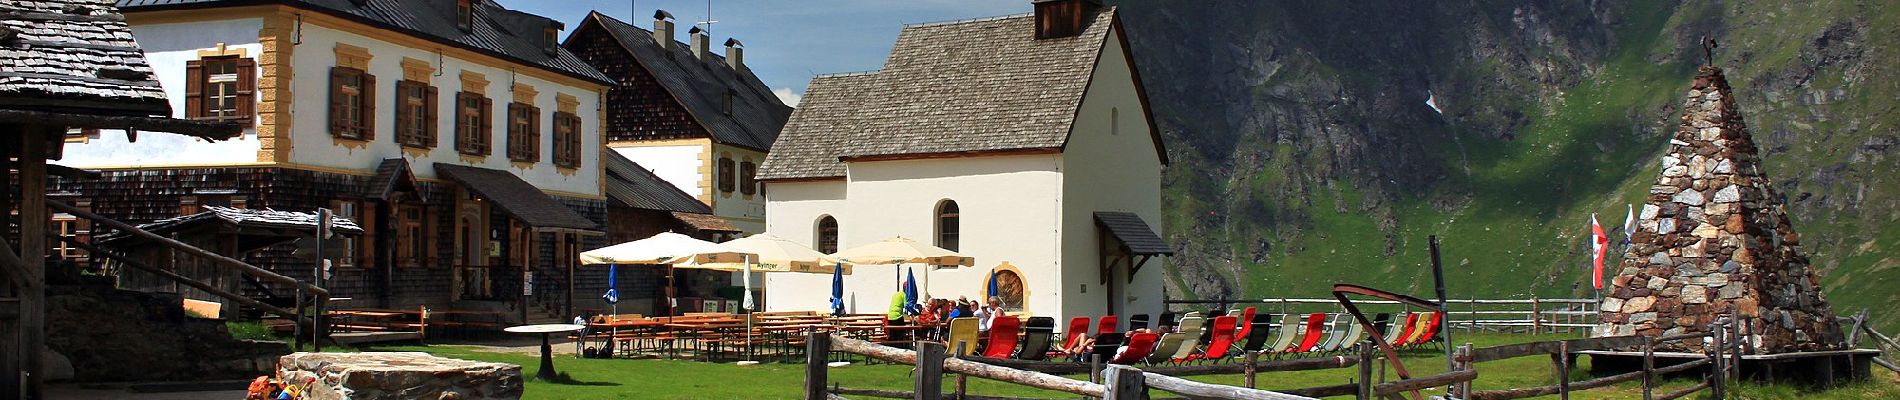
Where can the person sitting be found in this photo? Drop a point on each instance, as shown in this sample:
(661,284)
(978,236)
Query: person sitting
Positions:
(1119,351)
(899,304)
(988,313)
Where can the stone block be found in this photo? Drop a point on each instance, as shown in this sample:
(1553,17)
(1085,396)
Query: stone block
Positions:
(1638,304)
(1695,295)
(1729,194)
(400,375)
(1689,198)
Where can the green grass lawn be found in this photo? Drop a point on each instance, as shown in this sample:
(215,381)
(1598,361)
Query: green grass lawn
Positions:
(671,379)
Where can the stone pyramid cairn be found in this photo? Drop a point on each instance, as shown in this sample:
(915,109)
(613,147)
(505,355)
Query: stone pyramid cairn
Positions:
(1713,239)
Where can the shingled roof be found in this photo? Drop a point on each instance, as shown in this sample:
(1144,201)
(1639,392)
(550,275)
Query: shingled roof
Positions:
(499,32)
(515,197)
(961,87)
(701,85)
(73,55)
(630,185)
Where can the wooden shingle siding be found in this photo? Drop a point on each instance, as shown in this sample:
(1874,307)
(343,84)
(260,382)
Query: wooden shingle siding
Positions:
(642,109)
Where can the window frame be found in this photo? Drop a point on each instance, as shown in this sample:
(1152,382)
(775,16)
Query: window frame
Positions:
(412,240)
(201,93)
(465,15)
(825,234)
(416,114)
(524,132)
(948,220)
(724,168)
(352,107)
(474,124)
(567,140)
(748,177)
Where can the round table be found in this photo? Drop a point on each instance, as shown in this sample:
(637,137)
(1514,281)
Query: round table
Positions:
(547,359)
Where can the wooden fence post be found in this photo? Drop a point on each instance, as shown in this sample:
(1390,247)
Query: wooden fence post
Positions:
(1365,370)
(1562,358)
(1095,368)
(1465,363)
(1537,318)
(1249,368)
(817,352)
(929,370)
(1649,367)
(1123,383)
(962,380)
(1716,373)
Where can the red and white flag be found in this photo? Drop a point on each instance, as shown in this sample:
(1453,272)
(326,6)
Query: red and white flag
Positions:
(1599,245)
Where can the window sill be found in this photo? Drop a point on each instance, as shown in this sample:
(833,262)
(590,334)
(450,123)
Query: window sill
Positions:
(246,121)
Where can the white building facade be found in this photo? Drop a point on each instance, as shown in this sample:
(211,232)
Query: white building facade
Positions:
(1035,186)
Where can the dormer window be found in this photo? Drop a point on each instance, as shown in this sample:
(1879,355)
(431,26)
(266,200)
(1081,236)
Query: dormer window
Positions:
(554,39)
(725,104)
(465,14)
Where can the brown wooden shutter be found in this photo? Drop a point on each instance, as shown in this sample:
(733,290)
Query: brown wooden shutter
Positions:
(246,88)
(402,110)
(194,89)
(429,106)
(534,129)
(337,125)
(487,130)
(369,106)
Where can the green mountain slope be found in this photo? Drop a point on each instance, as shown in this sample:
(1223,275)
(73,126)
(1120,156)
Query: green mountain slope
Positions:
(1306,153)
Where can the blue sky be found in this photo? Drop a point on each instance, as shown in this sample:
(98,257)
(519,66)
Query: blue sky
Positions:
(787,41)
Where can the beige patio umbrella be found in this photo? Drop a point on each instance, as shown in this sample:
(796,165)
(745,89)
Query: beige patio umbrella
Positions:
(899,251)
(775,254)
(667,248)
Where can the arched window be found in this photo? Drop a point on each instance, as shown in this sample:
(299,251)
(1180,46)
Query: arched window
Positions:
(826,239)
(947,226)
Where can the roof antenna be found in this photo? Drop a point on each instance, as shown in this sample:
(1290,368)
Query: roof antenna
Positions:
(1708,50)
(709,21)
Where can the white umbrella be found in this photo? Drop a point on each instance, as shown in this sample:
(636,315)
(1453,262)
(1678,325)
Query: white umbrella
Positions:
(774,254)
(665,248)
(898,250)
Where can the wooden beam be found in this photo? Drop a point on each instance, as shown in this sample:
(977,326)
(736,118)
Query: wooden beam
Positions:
(9,308)
(33,223)
(1394,387)
(16,267)
(203,129)
(1026,378)
(188,249)
(1553,347)
(1198,390)
(1581,385)
(187,281)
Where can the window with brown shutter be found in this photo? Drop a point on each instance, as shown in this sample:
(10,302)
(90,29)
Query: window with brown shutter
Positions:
(746,184)
(415,114)
(567,140)
(524,132)
(472,126)
(352,103)
(220,88)
(725,174)
(412,247)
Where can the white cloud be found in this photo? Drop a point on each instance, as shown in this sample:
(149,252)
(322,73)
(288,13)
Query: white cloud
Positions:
(788,96)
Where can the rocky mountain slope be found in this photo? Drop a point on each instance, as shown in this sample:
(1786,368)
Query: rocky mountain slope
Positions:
(1321,142)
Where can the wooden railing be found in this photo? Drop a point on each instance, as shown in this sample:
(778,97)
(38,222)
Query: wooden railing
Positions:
(1533,315)
(1720,357)
(932,362)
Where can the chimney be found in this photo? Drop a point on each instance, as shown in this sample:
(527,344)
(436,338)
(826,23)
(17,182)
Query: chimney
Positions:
(663,29)
(701,44)
(1062,18)
(735,54)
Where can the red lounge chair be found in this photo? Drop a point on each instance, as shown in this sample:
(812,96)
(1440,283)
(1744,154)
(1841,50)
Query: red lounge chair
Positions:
(1078,330)
(1107,325)
(1397,338)
(1002,337)
(1222,341)
(1431,330)
(1139,346)
(1315,324)
(1246,324)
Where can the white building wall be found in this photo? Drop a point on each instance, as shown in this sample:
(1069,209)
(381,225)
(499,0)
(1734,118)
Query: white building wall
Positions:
(1110,164)
(675,163)
(745,211)
(312,144)
(1009,213)
(167,47)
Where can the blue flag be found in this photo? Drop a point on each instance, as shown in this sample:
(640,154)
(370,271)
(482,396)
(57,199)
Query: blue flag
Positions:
(613,295)
(993,292)
(837,289)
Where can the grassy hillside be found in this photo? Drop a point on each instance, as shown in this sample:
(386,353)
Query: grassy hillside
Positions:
(1532,140)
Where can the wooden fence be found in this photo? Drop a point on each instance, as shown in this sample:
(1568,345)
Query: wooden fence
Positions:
(1117,382)
(1533,315)
(1722,354)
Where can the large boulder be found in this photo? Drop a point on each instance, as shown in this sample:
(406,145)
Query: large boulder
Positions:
(399,375)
